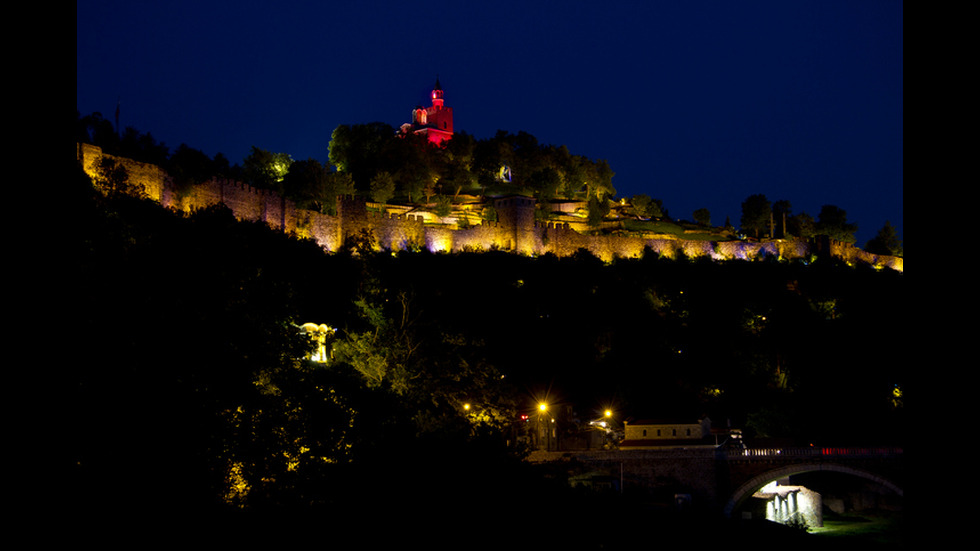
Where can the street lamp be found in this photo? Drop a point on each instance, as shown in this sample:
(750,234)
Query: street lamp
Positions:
(543,430)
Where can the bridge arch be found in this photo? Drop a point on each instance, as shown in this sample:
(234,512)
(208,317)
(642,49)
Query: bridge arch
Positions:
(756,483)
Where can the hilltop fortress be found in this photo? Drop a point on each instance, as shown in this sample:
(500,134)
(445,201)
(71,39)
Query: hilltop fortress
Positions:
(515,228)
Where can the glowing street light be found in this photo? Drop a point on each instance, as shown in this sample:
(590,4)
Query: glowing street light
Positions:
(544,437)
(603,421)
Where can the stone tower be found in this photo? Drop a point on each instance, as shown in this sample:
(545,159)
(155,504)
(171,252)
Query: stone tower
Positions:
(515,215)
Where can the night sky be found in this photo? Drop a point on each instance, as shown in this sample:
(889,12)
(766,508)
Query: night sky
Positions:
(697,103)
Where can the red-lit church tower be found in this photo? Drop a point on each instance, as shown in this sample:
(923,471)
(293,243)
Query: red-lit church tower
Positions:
(435,122)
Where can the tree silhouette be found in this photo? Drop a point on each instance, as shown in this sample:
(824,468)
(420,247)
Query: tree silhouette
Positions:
(886,241)
(142,147)
(97,130)
(832,222)
(308,184)
(113,179)
(702,216)
(265,169)
(781,211)
(363,150)
(190,167)
(382,187)
(756,214)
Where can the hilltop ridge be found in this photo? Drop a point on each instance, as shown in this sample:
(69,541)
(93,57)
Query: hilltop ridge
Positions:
(512,226)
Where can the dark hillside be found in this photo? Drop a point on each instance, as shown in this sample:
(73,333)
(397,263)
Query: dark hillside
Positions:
(190,387)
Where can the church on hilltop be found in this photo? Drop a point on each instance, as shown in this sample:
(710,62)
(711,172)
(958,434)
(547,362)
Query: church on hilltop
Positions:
(506,219)
(435,122)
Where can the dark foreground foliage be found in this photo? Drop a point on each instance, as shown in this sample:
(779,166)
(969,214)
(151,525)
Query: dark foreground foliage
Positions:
(190,399)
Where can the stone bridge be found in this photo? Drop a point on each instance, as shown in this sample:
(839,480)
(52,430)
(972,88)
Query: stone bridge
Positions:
(723,479)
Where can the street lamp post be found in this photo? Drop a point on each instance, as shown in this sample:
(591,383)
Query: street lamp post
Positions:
(543,427)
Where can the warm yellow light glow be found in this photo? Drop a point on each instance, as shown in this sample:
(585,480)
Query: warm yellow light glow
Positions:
(608,413)
(712,391)
(236,486)
(897,397)
(279,169)
(319,335)
(441,242)
(466,407)
(543,406)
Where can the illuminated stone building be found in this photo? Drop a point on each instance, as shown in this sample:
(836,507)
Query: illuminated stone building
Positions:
(435,122)
(667,434)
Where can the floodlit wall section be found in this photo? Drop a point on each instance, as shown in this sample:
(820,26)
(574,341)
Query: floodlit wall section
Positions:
(515,230)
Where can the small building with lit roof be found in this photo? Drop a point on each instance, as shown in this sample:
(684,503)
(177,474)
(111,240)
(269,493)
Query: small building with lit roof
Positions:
(651,434)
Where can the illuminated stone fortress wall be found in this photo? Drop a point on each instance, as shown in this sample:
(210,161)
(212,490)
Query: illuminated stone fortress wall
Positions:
(514,230)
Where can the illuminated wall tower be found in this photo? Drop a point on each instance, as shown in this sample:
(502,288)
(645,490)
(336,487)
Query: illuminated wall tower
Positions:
(515,214)
(434,122)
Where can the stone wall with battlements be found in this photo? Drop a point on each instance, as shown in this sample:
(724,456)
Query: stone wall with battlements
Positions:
(515,230)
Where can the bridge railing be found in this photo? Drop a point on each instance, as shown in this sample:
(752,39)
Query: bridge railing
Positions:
(815,451)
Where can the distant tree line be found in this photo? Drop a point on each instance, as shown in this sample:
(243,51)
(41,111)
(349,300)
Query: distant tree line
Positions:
(762,218)
(386,164)
(188,166)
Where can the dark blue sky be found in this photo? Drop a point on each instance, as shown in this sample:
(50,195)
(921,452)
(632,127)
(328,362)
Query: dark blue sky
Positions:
(698,103)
